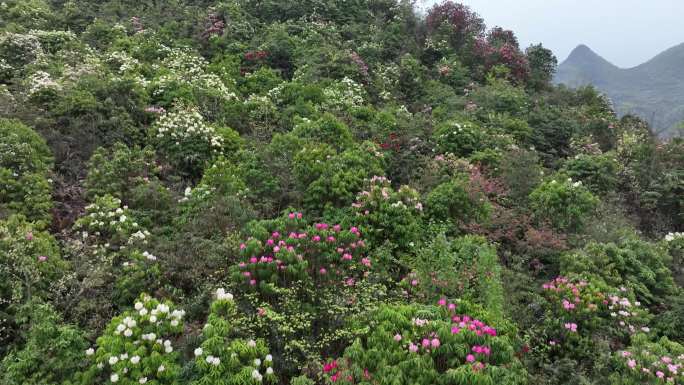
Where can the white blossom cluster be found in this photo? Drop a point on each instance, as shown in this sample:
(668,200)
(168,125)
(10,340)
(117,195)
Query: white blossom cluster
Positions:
(123,61)
(148,330)
(344,94)
(27,47)
(673,236)
(40,81)
(186,123)
(186,68)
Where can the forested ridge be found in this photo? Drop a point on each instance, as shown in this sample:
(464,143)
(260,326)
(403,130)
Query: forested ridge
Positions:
(312,192)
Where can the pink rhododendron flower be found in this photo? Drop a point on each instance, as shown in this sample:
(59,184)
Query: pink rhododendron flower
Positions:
(631,363)
(470,358)
(442,302)
(397,337)
(435,343)
(571,326)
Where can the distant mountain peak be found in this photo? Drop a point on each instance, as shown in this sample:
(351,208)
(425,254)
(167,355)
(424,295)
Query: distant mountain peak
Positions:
(583,55)
(653,90)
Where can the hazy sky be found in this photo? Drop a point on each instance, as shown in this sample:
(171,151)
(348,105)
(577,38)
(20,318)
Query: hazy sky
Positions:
(625,32)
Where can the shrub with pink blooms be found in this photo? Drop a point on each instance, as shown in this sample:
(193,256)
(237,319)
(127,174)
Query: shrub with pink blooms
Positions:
(290,251)
(647,362)
(303,283)
(451,343)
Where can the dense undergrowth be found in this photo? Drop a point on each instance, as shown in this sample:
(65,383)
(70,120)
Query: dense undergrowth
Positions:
(319,191)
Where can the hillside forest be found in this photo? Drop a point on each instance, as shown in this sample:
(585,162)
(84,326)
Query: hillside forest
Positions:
(309,192)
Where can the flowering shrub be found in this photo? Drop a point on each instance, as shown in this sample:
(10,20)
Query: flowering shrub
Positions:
(465,267)
(107,223)
(189,142)
(224,359)
(455,22)
(385,214)
(30,263)
(304,283)
(565,204)
(343,95)
(448,344)
(649,362)
(184,75)
(321,254)
(589,309)
(460,139)
(137,346)
(25,161)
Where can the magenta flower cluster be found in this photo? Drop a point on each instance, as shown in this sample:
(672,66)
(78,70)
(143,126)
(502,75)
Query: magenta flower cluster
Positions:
(323,251)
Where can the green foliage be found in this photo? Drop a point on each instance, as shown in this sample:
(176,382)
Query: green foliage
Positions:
(452,202)
(565,204)
(137,344)
(30,263)
(120,170)
(25,164)
(465,267)
(388,215)
(635,264)
(52,351)
(450,344)
(224,359)
(598,172)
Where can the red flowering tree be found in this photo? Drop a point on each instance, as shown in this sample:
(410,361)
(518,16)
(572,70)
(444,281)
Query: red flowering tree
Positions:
(456,22)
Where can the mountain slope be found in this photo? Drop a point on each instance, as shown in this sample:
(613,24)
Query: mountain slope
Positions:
(653,90)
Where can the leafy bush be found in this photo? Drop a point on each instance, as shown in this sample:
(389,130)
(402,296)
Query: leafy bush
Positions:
(119,170)
(465,267)
(451,201)
(638,265)
(30,263)
(137,346)
(52,351)
(449,344)
(386,215)
(25,163)
(597,172)
(565,204)
(224,359)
